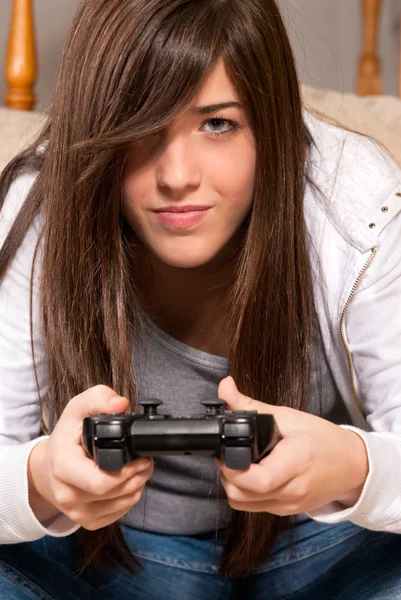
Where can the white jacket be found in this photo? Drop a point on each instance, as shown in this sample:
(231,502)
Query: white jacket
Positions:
(355,231)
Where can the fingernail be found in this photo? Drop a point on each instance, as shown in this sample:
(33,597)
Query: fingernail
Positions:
(142,465)
(116,400)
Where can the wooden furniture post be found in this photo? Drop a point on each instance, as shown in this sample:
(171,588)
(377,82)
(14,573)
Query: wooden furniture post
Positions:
(20,68)
(369,76)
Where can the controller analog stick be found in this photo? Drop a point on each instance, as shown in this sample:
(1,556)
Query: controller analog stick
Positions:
(213,406)
(150,405)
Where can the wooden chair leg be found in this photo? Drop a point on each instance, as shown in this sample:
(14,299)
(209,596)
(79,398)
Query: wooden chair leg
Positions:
(370,80)
(21,57)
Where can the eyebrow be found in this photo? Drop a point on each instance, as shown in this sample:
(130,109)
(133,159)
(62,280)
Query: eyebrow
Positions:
(210,108)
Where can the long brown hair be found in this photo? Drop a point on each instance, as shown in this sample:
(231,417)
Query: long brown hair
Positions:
(129,68)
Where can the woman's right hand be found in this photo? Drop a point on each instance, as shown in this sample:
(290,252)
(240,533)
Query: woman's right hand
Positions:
(63,476)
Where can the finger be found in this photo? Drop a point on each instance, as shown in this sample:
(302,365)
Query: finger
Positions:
(98,399)
(131,485)
(109,519)
(273,507)
(256,479)
(235,400)
(229,393)
(237,494)
(101,508)
(105,520)
(83,473)
(270,474)
(69,496)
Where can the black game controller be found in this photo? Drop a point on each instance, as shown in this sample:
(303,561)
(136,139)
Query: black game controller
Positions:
(237,438)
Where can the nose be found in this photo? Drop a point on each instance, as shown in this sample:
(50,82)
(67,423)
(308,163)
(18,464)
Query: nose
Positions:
(178,167)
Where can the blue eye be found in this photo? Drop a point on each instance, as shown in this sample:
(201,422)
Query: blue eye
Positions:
(218,121)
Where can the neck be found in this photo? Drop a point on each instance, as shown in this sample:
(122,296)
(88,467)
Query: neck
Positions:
(191,293)
(186,302)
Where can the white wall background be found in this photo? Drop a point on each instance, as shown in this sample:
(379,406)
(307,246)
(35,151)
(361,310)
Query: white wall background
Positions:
(325,34)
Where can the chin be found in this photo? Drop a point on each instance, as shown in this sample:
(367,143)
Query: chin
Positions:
(185,264)
(185,261)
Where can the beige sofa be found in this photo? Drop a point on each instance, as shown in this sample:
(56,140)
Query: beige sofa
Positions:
(378,116)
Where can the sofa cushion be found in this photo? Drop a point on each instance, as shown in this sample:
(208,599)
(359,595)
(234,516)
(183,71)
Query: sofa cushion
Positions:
(17,129)
(376,116)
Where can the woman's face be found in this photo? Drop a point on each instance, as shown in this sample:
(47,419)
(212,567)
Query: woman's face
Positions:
(199,160)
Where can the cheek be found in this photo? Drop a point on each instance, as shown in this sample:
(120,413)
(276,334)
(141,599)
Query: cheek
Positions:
(133,185)
(237,182)
(134,189)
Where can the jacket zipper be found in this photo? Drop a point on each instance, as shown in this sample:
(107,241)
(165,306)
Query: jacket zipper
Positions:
(342,329)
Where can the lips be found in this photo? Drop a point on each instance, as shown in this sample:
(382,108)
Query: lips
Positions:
(176,209)
(182,219)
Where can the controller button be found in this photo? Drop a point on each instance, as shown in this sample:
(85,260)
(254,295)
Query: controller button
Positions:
(237,430)
(238,458)
(109,430)
(110,459)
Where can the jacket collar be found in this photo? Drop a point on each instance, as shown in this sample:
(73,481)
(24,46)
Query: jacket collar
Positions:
(357,179)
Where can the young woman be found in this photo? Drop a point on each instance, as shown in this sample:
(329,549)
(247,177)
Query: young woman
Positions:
(184,228)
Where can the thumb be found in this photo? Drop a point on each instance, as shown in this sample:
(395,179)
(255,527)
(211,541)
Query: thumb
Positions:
(96,400)
(229,392)
(115,404)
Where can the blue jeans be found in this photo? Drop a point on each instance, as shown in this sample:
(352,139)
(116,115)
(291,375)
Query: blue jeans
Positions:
(334,562)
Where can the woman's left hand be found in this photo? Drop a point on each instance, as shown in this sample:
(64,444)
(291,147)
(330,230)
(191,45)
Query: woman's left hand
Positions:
(315,463)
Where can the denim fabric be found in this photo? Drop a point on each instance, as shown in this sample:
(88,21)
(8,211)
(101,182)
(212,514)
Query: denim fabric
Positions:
(334,562)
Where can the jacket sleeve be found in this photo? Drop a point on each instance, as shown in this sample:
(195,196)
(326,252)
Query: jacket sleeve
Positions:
(20,416)
(373,331)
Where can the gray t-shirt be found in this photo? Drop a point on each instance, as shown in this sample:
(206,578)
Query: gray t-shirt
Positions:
(180,497)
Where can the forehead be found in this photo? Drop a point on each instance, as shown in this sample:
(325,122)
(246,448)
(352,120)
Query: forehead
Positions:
(217,87)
